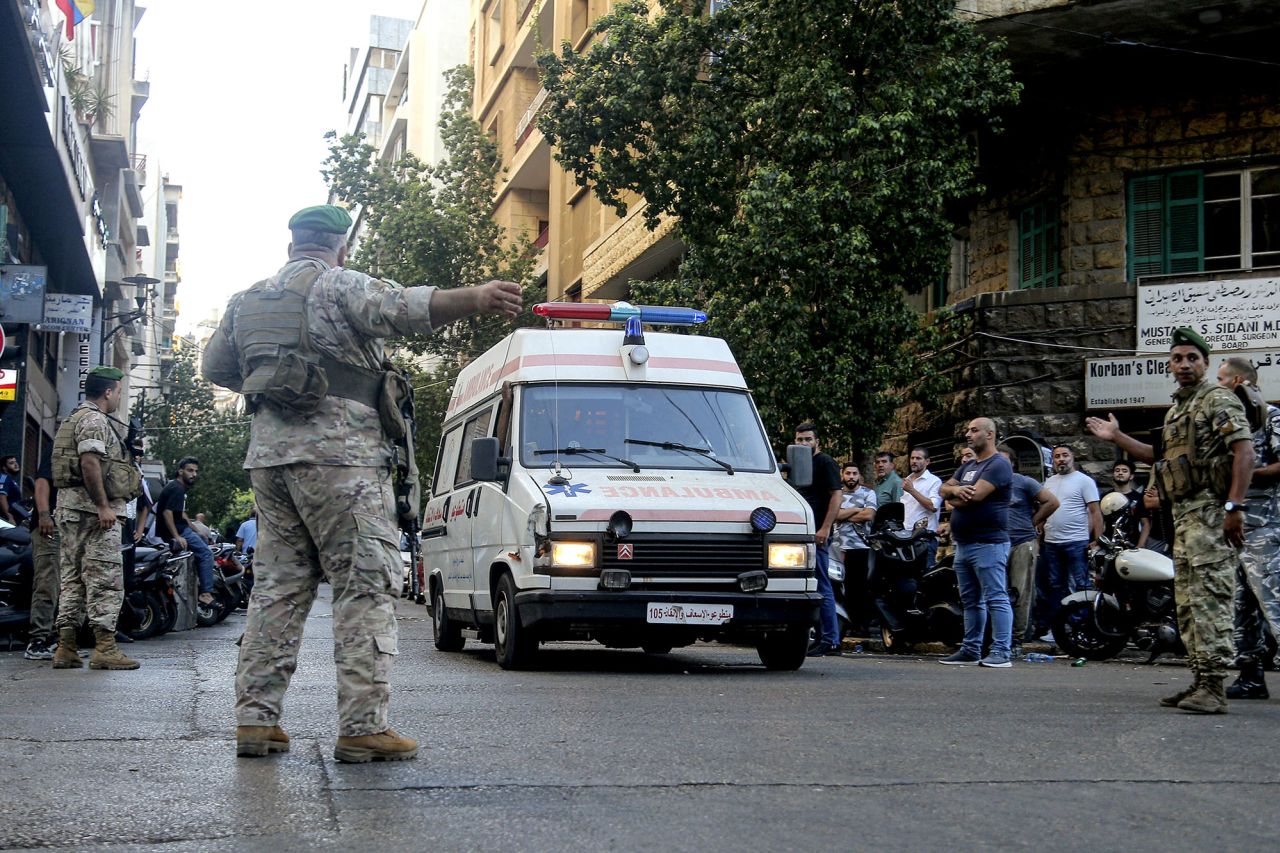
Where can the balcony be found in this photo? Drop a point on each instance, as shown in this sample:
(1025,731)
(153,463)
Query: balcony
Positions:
(528,122)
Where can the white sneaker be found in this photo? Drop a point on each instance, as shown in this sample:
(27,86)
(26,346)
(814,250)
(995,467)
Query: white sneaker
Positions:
(1047,638)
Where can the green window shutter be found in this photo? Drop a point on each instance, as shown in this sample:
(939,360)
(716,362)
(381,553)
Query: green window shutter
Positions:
(1146,226)
(1184,196)
(1038,245)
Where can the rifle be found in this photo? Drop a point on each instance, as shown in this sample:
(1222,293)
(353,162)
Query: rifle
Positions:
(408,494)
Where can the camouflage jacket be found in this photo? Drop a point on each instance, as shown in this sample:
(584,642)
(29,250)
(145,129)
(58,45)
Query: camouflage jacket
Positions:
(93,434)
(1219,421)
(349,314)
(1264,501)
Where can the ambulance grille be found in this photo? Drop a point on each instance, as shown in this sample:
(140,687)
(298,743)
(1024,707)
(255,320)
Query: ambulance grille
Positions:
(687,556)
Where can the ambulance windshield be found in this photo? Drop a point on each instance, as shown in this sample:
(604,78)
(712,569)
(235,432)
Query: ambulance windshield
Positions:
(652,426)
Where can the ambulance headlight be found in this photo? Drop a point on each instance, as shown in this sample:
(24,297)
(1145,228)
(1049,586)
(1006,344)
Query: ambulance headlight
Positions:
(788,555)
(573,555)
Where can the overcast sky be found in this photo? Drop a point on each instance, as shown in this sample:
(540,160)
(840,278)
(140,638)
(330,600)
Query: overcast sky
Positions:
(241,96)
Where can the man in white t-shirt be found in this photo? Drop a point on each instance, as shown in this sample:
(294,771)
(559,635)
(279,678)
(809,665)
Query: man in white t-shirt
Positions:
(922,496)
(1067,533)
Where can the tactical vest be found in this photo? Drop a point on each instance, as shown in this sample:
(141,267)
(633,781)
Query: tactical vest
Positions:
(1181,472)
(280,366)
(121,479)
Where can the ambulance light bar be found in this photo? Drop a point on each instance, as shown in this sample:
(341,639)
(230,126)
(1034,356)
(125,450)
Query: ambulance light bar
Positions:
(619,312)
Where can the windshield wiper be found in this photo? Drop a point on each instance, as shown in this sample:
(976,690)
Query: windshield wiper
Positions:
(701,452)
(570,451)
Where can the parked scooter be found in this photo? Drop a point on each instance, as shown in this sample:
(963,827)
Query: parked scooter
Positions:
(150,604)
(1132,599)
(16,573)
(916,606)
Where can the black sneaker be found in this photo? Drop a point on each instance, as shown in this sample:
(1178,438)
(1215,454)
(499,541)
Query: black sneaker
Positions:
(38,650)
(821,650)
(960,658)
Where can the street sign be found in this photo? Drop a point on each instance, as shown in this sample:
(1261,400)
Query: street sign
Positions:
(1137,382)
(1239,314)
(8,384)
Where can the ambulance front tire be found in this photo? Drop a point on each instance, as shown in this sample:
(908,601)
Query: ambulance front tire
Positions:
(784,650)
(448,636)
(514,645)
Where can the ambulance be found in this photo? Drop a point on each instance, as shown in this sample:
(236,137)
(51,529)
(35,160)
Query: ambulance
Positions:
(614,485)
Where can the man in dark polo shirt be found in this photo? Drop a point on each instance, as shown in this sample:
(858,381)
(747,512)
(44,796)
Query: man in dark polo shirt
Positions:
(823,497)
(979,496)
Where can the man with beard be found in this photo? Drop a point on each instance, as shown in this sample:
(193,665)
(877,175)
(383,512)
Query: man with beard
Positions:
(1068,532)
(922,497)
(979,493)
(857,510)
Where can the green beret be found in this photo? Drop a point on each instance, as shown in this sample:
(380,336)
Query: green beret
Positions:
(107,372)
(1185,336)
(328,218)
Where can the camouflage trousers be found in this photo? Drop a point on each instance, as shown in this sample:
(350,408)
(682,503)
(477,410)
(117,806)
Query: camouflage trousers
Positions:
(1258,589)
(44,582)
(91,569)
(333,523)
(1204,578)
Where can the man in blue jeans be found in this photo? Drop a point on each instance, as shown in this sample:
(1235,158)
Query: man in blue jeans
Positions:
(1064,559)
(823,496)
(173,524)
(979,496)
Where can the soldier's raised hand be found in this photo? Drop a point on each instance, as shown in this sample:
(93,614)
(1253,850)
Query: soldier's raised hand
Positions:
(503,298)
(1105,430)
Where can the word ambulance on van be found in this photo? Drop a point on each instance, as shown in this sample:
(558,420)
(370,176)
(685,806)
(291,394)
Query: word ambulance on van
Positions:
(604,484)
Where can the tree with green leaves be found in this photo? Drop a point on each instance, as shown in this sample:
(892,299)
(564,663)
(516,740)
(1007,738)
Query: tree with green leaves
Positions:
(184,423)
(809,152)
(432,224)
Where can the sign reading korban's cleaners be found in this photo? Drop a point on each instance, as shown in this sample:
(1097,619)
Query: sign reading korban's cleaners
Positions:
(1144,381)
(1235,314)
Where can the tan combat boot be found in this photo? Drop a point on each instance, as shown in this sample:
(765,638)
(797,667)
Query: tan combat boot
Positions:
(1209,698)
(384,746)
(259,740)
(1172,701)
(107,655)
(66,657)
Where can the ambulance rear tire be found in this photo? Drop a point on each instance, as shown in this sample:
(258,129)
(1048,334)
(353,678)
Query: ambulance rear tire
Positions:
(784,650)
(514,645)
(657,648)
(448,636)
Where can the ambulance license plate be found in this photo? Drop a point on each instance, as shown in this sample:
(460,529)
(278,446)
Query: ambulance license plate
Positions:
(688,614)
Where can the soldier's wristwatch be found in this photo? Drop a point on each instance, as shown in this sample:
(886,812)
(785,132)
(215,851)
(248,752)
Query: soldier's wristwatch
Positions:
(1232,506)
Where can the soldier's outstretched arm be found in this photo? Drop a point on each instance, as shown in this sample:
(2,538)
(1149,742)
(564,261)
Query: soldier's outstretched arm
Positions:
(1109,430)
(502,298)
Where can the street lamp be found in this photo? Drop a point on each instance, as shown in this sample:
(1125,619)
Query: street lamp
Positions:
(127,317)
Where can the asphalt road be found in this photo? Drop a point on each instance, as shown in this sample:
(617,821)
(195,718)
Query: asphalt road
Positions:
(615,750)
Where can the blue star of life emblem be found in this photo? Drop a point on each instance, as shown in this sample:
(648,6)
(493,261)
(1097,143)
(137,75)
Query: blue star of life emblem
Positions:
(569,490)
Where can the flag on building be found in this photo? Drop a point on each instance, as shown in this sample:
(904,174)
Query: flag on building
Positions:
(76,11)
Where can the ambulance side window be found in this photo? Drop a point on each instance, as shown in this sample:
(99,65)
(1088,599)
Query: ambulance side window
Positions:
(446,460)
(477,426)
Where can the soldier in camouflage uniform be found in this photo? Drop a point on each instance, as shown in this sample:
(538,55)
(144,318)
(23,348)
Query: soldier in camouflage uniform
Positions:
(1258,582)
(1205,468)
(88,518)
(321,474)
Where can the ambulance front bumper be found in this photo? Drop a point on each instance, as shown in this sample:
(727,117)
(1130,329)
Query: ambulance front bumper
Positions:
(592,609)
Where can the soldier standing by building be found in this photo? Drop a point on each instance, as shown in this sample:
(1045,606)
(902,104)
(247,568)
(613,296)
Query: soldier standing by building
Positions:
(1205,468)
(46,573)
(94,477)
(306,349)
(1258,583)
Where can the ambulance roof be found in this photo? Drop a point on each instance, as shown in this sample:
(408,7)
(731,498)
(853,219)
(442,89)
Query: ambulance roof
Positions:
(593,355)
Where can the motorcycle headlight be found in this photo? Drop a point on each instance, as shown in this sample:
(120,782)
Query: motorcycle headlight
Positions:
(788,555)
(573,555)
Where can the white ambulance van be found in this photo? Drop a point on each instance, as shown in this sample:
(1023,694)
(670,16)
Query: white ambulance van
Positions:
(611,485)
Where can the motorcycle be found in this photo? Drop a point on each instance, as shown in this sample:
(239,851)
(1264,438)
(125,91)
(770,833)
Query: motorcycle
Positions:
(150,603)
(17,570)
(1132,599)
(228,582)
(915,605)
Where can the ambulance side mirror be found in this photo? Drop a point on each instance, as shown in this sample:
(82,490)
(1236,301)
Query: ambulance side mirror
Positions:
(485,460)
(799,466)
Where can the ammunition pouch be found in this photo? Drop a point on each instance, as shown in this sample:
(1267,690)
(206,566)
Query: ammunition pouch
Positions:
(392,393)
(1175,478)
(122,481)
(292,383)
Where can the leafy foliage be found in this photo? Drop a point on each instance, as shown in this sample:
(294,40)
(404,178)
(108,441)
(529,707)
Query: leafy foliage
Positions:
(809,152)
(184,423)
(432,224)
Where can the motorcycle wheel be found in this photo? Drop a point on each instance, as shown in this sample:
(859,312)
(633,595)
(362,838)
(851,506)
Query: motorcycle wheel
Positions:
(168,612)
(152,617)
(1076,634)
(226,602)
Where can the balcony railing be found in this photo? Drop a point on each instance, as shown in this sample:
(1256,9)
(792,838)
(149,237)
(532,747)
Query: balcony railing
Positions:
(522,10)
(524,127)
